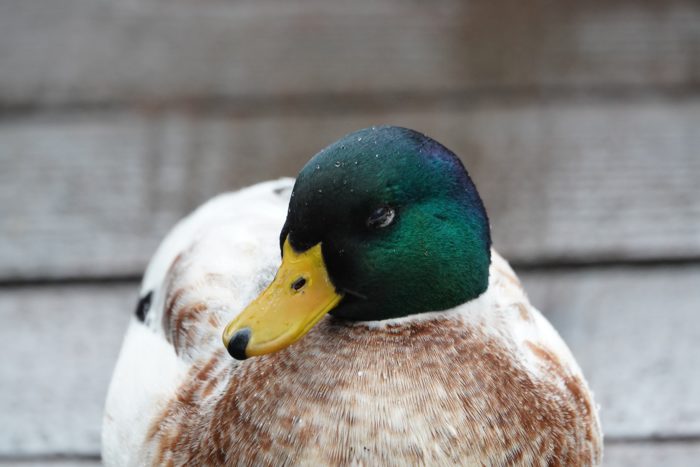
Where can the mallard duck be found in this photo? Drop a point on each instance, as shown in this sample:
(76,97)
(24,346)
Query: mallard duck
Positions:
(388,333)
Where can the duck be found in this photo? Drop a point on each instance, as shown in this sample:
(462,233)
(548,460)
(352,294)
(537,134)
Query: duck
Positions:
(357,315)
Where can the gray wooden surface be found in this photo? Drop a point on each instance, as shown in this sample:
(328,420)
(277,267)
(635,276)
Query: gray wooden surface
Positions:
(579,122)
(562,181)
(83,51)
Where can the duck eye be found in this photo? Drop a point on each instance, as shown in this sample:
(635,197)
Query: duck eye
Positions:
(381,217)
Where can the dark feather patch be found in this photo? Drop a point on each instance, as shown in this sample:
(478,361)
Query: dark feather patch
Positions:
(143,306)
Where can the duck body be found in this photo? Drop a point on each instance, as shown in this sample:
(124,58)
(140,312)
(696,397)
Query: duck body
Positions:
(488,382)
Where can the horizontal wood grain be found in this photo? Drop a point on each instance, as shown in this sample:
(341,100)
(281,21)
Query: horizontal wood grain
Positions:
(633,330)
(60,345)
(51,461)
(91,195)
(651,454)
(82,51)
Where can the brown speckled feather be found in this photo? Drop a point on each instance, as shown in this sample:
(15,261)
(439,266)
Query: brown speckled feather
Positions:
(487,383)
(446,389)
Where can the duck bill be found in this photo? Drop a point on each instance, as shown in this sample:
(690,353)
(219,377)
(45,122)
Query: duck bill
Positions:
(299,296)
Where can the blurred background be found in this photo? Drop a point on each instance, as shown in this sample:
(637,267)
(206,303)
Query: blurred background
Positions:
(578,120)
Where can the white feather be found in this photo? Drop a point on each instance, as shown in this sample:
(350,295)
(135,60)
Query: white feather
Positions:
(234,238)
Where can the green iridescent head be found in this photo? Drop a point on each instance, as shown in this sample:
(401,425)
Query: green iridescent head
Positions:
(401,226)
(381,224)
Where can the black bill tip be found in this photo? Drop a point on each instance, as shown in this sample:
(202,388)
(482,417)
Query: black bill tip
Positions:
(238,343)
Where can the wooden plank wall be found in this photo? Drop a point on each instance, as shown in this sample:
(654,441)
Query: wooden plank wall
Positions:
(578,121)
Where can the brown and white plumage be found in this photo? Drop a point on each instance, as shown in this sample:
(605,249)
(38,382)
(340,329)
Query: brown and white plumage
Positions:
(489,382)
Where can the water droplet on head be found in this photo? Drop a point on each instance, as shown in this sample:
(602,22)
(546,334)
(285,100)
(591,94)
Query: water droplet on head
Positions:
(320,190)
(359,138)
(318,167)
(376,155)
(338,163)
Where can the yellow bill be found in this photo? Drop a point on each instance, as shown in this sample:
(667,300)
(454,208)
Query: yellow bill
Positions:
(299,296)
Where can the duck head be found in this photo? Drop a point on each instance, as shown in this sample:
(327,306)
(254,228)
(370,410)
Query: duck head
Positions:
(383,223)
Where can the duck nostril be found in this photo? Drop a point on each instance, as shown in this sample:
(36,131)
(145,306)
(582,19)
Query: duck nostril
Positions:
(298,283)
(236,346)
